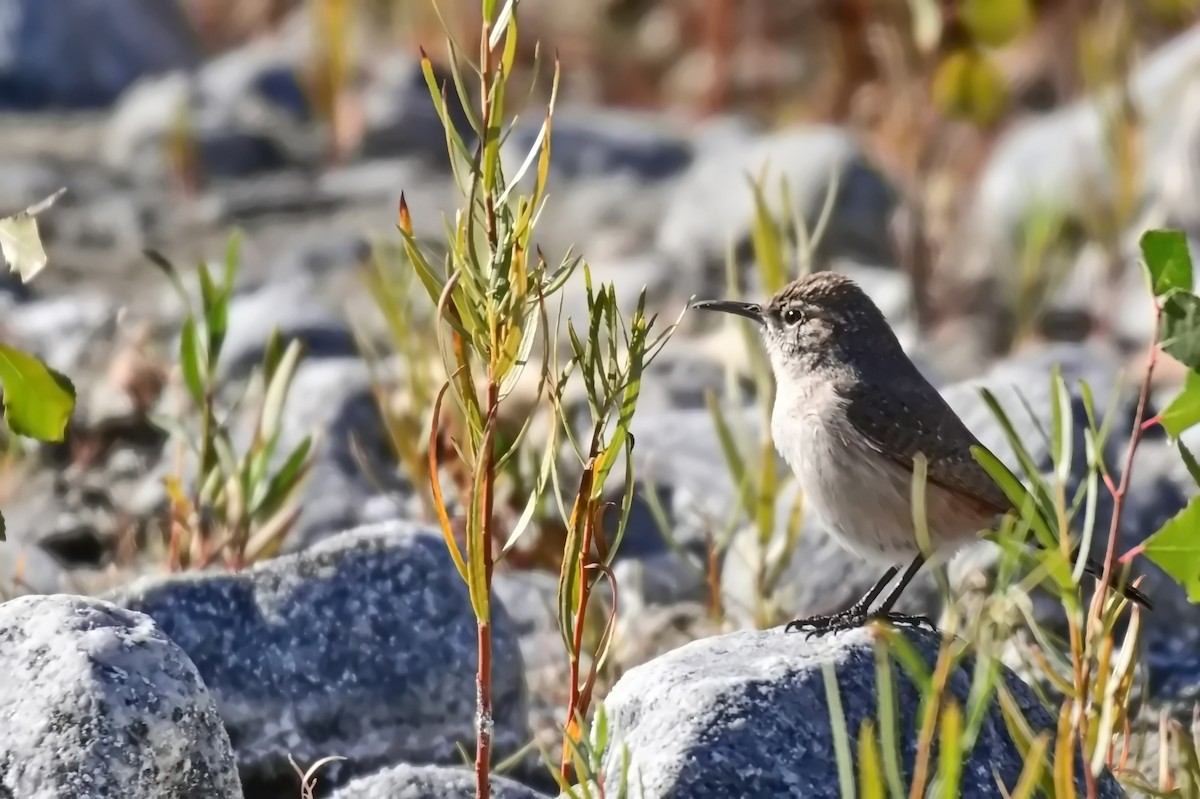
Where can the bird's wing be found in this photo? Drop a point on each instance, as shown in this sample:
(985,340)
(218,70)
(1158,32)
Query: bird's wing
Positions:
(910,417)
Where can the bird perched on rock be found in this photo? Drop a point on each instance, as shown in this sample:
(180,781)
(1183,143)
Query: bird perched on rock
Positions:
(851,414)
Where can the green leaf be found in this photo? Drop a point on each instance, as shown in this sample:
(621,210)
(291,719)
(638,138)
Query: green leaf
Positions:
(995,23)
(1175,548)
(1167,261)
(277,390)
(285,481)
(38,401)
(190,358)
(20,243)
(1189,460)
(1184,410)
(1181,329)
(172,274)
(968,85)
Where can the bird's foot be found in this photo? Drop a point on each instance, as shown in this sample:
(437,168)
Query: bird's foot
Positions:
(852,619)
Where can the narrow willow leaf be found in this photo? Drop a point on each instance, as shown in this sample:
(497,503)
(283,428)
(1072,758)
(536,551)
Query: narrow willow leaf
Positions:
(870,773)
(1031,774)
(190,359)
(531,503)
(818,234)
(570,575)
(287,480)
(38,401)
(437,93)
(435,485)
(950,751)
(839,731)
(1013,489)
(277,391)
(462,90)
(477,541)
(889,733)
(1032,747)
(172,274)
(1062,426)
(768,250)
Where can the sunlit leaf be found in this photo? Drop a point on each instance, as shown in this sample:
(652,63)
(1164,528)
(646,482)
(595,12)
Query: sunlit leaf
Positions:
(995,23)
(870,772)
(1167,261)
(284,482)
(1181,329)
(950,754)
(277,390)
(38,401)
(968,85)
(190,359)
(1184,410)
(20,242)
(927,23)
(1175,548)
(1189,460)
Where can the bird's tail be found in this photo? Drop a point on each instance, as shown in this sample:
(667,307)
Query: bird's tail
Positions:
(1131,593)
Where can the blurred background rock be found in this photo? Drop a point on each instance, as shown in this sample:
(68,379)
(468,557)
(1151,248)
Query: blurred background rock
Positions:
(991,165)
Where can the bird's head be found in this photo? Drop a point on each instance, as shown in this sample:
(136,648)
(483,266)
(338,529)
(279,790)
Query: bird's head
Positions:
(819,323)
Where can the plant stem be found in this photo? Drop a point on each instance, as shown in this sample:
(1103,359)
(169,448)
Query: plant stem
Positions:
(573,704)
(1095,607)
(1127,469)
(483,678)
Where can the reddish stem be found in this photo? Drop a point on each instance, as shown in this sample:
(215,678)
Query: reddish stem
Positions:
(573,703)
(483,678)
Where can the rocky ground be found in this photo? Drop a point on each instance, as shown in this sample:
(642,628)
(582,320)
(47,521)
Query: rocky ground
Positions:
(359,641)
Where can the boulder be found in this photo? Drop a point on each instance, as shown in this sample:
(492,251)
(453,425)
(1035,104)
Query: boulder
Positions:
(406,781)
(97,701)
(363,646)
(81,54)
(748,714)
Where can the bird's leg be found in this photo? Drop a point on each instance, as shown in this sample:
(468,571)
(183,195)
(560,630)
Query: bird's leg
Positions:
(884,611)
(822,623)
(859,613)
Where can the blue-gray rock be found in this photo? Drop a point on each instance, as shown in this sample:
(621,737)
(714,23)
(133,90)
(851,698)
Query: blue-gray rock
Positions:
(747,714)
(363,646)
(399,117)
(97,701)
(589,143)
(292,306)
(245,113)
(82,54)
(1058,162)
(712,207)
(353,463)
(407,781)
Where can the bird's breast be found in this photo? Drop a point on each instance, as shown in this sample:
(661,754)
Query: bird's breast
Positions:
(862,497)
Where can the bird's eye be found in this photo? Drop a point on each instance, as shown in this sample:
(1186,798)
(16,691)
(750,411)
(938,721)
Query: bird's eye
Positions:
(792,316)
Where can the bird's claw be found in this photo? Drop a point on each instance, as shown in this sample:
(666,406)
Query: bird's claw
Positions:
(852,619)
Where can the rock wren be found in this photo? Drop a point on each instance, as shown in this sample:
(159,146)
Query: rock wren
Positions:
(851,413)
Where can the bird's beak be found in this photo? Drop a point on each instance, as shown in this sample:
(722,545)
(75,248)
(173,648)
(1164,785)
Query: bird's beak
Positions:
(749,310)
